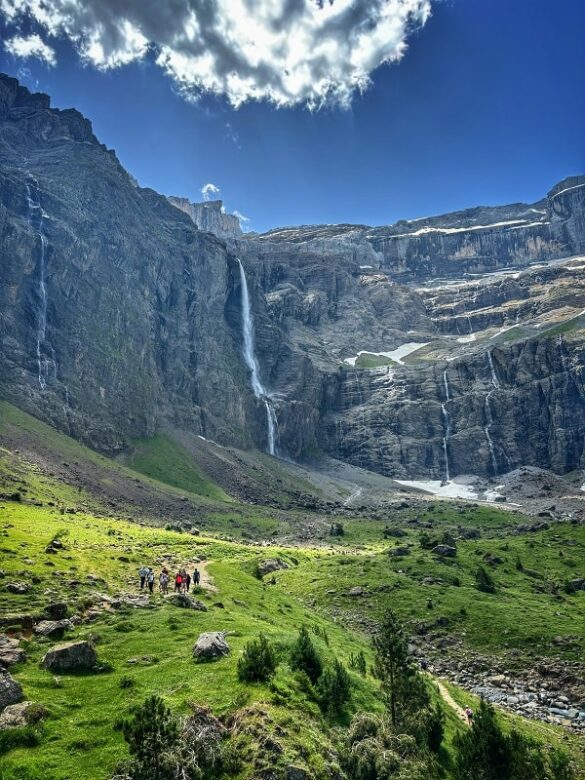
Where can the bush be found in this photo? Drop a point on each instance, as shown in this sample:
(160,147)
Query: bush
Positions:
(484,581)
(304,656)
(358,663)
(334,689)
(23,736)
(258,661)
(151,733)
(127,682)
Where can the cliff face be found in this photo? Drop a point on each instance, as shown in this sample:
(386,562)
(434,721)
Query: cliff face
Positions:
(210,217)
(107,292)
(118,317)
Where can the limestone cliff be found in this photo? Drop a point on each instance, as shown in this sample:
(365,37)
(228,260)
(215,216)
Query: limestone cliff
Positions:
(210,216)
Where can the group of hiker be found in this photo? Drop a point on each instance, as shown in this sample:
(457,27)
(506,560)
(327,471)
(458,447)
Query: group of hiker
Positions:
(182,580)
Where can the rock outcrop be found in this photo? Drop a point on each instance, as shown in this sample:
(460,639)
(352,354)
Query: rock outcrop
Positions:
(210,216)
(211,646)
(70,657)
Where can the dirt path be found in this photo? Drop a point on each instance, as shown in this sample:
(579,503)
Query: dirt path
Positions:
(450,701)
(206,578)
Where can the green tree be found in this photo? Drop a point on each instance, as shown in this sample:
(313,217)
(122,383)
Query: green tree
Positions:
(151,734)
(258,661)
(304,656)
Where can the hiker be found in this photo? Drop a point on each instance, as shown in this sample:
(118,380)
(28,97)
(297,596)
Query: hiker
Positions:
(163,581)
(188,581)
(424,664)
(143,573)
(183,574)
(178,582)
(469,716)
(150,580)
(197,577)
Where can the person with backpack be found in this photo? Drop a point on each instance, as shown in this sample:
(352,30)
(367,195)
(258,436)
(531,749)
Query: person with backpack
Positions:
(469,716)
(197,577)
(143,573)
(187,581)
(150,580)
(163,581)
(178,583)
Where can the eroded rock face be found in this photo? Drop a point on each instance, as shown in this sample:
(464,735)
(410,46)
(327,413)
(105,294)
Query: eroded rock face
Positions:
(270,565)
(211,646)
(210,217)
(70,657)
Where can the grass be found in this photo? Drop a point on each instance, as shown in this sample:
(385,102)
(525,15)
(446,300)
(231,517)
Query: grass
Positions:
(166,461)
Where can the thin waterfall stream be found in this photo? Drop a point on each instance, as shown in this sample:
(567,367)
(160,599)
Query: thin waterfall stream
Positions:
(36,217)
(252,362)
(447,425)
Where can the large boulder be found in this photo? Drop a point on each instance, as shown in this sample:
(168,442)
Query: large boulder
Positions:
(10,652)
(10,690)
(210,646)
(70,657)
(185,601)
(57,610)
(269,565)
(53,628)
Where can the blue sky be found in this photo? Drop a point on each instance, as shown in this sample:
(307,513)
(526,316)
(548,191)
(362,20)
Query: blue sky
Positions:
(486,107)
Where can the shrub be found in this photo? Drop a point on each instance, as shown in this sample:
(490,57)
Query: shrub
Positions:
(304,656)
(258,661)
(150,734)
(334,689)
(357,662)
(127,682)
(484,581)
(23,736)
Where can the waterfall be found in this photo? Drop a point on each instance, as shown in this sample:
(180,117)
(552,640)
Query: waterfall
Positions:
(252,362)
(489,422)
(36,217)
(446,386)
(495,381)
(447,425)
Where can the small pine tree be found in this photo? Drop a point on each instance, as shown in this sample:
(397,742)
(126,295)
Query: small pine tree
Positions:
(334,689)
(484,581)
(304,656)
(358,663)
(151,733)
(258,661)
(483,752)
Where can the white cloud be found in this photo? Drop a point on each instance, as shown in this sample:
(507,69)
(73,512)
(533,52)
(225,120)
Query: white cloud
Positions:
(244,221)
(285,51)
(30,46)
(209,189)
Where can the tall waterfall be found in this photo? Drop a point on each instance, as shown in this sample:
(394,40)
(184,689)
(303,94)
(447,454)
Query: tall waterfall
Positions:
(36,217)
(495,381)
(447,425)
(489,422)
(252,362)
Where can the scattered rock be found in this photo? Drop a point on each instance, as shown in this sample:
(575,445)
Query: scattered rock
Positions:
(445,551)
(358,591)
(10,652)
(53,628)
(185,601)
(21,714)
(271,564)
(70,657)
(10,690)
(18,588)
(56,610)
(399,552)
(210,646)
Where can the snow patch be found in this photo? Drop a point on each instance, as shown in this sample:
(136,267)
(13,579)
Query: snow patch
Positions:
(438,488)
(466,339)
(445,231)
(397,355)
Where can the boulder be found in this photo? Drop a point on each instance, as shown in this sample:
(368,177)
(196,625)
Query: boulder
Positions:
(10,690)
(397,552)
(271,564)
(53,628)
(57,610)
(185,601)
(18,588)
(578,584)
(10,652)
(357,591)
(70,657)
(21,714)
(445,551)
(211,646)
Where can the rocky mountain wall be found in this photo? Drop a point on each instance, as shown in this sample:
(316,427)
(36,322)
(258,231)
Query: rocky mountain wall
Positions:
(210,217)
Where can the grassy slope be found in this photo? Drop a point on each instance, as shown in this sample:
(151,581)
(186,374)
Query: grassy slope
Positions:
(166,461)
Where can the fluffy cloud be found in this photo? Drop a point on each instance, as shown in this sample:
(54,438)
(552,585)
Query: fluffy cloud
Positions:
(209,189)
(284,51)
(30,46)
